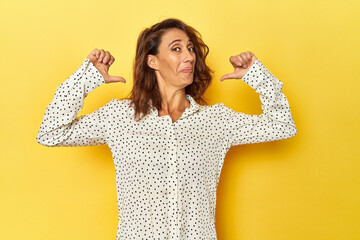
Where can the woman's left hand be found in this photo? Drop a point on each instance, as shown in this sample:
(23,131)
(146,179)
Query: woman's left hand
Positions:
(241,63)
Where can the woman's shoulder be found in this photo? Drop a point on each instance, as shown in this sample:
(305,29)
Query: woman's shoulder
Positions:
(123,101)
(119,108)
(216,108)
(119,104)
(219,109)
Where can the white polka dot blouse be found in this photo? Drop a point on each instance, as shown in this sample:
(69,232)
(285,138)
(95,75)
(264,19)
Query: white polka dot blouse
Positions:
(167,172)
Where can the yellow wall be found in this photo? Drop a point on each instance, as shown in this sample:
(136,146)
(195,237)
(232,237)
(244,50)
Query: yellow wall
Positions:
(306,187)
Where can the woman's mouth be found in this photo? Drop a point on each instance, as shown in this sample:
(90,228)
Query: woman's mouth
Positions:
(187,70)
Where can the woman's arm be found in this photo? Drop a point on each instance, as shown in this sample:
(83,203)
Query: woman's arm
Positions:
(60,126)
(274,123)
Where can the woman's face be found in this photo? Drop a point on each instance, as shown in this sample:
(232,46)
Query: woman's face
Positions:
(175,63)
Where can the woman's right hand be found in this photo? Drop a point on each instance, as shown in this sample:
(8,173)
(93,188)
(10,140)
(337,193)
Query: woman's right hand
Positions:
(102,60)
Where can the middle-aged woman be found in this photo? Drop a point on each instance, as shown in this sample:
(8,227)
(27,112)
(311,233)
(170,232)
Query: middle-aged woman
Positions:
(168,145)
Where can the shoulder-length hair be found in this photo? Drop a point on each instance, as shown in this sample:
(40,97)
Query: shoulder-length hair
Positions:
(145,90)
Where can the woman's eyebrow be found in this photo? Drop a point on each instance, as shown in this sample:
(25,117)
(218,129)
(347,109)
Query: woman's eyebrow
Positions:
(178,40)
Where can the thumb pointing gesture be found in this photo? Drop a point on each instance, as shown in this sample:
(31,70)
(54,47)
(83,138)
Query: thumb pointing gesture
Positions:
(102,60)
(241,63)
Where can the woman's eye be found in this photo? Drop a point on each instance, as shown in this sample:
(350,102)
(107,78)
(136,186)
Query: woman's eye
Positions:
(192,49)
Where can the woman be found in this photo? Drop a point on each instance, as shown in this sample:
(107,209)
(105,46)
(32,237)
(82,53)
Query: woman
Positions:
(168,150)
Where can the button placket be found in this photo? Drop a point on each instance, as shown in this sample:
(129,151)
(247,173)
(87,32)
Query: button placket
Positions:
(172,176)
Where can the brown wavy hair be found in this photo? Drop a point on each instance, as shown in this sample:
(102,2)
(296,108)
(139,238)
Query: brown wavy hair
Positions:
(145,88)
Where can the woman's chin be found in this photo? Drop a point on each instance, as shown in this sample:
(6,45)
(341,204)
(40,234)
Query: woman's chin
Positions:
(185,81)
(188,81)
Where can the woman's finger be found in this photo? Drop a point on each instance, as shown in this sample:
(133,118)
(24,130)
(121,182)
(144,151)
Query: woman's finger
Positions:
(249,56)
(112,59)
(102,55)
(96,53)
(91,57)
(235,62)
(115,79)
(241,60)
(246,59)
(107,57)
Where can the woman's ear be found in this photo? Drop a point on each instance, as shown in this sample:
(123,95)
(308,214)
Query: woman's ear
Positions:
(152,62)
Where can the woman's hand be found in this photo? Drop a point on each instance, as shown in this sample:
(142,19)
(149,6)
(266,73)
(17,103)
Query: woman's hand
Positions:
(241,63)
(102,60)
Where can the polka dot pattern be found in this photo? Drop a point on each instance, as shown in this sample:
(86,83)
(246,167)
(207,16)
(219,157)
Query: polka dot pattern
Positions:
(167,172)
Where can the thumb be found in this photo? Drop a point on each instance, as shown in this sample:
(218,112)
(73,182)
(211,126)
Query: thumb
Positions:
(115,79)
(228,76)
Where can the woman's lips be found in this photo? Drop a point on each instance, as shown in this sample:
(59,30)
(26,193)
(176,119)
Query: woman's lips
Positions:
(187,70)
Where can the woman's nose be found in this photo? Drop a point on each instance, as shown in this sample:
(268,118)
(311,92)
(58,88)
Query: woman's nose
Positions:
(188,56)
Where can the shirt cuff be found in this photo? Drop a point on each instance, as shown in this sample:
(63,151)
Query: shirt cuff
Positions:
(256,74)
(93,77)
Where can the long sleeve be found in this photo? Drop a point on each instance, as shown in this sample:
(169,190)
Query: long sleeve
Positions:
(61,126)
(274,123)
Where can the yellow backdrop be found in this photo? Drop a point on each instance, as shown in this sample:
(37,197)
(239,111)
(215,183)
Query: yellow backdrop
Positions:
(305,187)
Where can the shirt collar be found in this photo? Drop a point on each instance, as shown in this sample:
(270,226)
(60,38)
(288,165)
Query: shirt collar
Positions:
(194,107)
